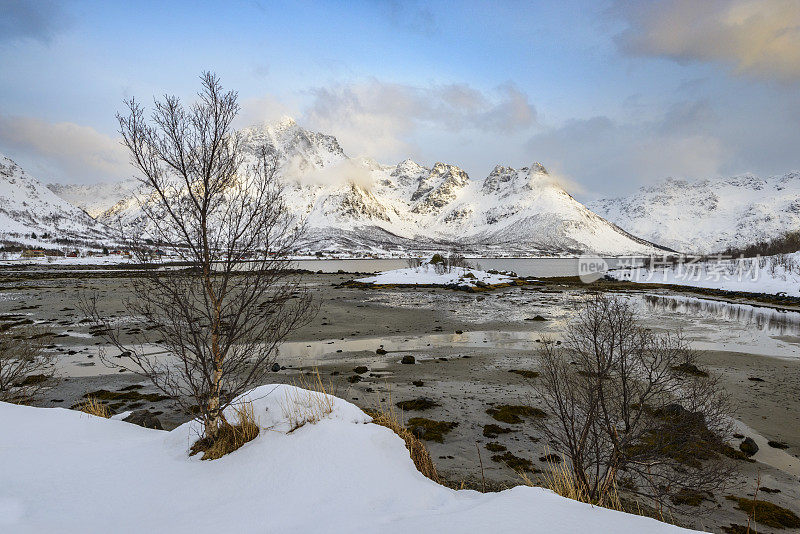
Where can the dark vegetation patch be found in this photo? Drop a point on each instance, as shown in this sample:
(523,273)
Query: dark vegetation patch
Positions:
(495,447)
(361,369)
(430,430)
(766,513)
(778,444)
(419,404)
(736,529)
(690,369)
(126,395)
(513,414)
(32,380)
(514,462)
(492,430)
(524,373)
(688,497)
(735,454)
(354,379)
(418,383)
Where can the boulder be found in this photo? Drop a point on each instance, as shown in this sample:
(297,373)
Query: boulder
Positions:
(748,446)
(144,418)
(408,360)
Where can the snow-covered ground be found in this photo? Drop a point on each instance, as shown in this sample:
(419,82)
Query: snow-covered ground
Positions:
(111,259)
(65,471)
(768,274)
(428,274)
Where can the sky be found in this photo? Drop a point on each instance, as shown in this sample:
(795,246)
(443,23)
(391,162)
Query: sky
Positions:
(609,95)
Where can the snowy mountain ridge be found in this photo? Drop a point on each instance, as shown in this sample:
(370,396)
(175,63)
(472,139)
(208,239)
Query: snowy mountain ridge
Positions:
(27,207)
(710,215)
(357,204)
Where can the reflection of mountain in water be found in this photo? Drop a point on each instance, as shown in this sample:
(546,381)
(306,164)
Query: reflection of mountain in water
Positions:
(765,319)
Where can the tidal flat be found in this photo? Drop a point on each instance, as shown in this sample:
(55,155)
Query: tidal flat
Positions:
(474,354)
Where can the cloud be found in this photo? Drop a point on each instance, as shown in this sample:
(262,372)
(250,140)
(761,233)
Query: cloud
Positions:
(410,15)
(26,19)
(63,151)
(380,119)
(611,157)
(262,109)
(757,37)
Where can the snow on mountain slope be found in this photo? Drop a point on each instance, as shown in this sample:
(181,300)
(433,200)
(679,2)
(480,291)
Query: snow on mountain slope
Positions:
(28,207)
(710,215)
(94,199)
(357,204)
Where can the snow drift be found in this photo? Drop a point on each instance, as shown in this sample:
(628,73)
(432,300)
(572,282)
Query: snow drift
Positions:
(65,471)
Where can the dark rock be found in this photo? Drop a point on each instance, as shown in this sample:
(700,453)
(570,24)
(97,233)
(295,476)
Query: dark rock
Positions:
(361,369)
(748,446)
(144,418)
(380,351)
(536,318)
(276,367)
(777,444)
(418,383)
(408,360)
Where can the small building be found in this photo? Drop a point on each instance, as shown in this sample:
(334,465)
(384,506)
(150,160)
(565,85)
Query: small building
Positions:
(33,253)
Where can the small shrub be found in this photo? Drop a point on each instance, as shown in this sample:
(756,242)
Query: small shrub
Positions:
(495,447)
(92,406)
(419,453)
(560,478)
(310,401)
(229,437)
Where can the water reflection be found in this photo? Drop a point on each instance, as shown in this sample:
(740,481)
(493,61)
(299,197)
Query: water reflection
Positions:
(771,320)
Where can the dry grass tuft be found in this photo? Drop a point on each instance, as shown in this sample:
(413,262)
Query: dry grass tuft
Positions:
(92,406)
(229,437)
(559,478)
(311,402)
(389,418)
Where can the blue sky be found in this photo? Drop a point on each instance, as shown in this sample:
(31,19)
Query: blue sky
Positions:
(609,95)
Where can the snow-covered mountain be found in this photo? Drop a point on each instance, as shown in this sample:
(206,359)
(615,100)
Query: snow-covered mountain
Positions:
(709,215)
(357,204)
(29,208)
(94,199)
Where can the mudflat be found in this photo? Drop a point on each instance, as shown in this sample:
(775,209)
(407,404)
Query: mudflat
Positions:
(472,353)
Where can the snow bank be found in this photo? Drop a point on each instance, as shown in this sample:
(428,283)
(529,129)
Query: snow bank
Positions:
(428,274)
(65,471)
(768,274)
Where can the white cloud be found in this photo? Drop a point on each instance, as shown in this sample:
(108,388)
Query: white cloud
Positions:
(609,157)
(380,119)
(757,37)
(63,151)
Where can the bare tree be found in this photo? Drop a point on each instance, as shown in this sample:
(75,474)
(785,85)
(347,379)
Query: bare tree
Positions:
(626,402)
(25,368)
(218,207)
